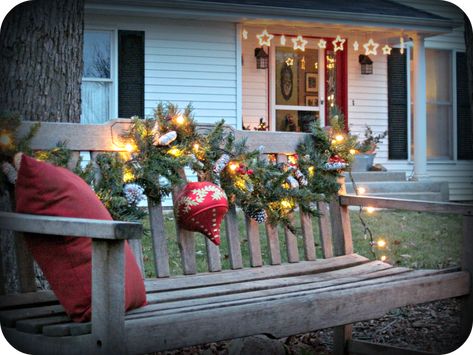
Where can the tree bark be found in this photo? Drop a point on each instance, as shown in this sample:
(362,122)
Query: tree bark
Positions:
(41,60)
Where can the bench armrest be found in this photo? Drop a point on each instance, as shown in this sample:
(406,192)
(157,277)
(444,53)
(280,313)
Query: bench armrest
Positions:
(411,205)
(73,227)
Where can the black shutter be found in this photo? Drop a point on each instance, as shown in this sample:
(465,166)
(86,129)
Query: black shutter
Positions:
(464,117)
(131,68)
(397,105)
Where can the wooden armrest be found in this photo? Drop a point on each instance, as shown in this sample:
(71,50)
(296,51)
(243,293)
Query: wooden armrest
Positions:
(73,227)
(412,205)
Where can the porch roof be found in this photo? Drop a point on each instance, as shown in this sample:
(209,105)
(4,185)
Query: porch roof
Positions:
(367,14)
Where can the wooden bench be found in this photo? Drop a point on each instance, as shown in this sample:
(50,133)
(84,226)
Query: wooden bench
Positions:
(278,299)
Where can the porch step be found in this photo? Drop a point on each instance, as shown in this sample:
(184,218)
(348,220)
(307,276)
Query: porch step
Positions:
(376,176)
(412,190)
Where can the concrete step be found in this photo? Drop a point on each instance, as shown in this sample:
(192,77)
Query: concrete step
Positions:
(376,176)
(419,196)
(397,186)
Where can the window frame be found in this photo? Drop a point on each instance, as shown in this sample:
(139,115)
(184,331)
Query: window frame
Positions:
(113,100)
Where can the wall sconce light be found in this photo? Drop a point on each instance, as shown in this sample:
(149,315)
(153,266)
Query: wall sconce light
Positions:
(262,58)
(366,64)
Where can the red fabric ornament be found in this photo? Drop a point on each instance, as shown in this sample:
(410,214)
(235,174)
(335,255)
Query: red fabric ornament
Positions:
(201,207)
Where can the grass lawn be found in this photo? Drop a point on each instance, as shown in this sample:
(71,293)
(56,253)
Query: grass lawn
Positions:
(414,239)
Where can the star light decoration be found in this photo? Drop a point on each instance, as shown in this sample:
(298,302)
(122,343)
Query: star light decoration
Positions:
(322,43)
(244,34)
(283,40)
(338,44)
(289,61)
(264,38)
(386,49)
(356,46)
(371,47)
(299,43)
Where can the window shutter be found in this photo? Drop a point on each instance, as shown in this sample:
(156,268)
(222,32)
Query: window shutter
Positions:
(397,105)
(464,117)
(131,67)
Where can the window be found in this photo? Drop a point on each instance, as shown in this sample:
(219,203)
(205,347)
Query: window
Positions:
(97,81)
(439,104)
(298,89)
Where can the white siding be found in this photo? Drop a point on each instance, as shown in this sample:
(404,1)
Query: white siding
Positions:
(186,61)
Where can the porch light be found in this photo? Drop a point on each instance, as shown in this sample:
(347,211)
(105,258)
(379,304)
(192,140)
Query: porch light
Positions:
(366,64)
(262,58)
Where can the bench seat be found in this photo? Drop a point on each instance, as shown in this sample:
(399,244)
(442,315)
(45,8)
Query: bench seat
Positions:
(185,311)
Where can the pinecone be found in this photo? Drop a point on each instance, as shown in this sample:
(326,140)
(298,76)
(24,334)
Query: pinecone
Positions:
(259,216)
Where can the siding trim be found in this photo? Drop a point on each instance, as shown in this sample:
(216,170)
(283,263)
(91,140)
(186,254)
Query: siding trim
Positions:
(239,77)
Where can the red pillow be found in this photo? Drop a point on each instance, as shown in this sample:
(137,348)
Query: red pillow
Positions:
(45,189)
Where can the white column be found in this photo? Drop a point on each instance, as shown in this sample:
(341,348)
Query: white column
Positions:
(420,110)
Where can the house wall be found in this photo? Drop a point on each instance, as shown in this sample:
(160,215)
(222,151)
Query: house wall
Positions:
(185,61)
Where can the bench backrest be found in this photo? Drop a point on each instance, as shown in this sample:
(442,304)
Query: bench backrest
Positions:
(107,138)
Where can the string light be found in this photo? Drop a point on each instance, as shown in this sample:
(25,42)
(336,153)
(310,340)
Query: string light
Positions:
(264,38)
(383,257)
(128,176)
(311,170)
(299,43)
(175,152)
(6,139)
(381,243)
(361,190)
(129,148)
(286,204)
(233,166)
(180,120)
(370,209)
(283,40)
(352,151)
(339,138)
(338,44)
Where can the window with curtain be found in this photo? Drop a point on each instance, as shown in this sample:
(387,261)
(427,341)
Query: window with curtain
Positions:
(439,104)
(97,83)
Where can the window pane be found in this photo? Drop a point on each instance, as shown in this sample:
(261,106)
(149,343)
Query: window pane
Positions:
(296,77)
(439,131)
(97,54)
(439,105)
(295,121)
(95,101)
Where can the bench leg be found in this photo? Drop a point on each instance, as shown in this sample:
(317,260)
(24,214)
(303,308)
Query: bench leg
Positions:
(467,265)
(341,336)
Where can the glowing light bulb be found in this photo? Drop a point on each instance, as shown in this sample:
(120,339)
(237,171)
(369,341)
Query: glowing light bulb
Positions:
(175,152)
(129,147)
(180,119)
(381,243)
(5,139)
(383,258)
(334,141)
(196,146)
(128,176)
(352,151)
(370,209)
(311,170)
(361,190)
(286,204)
(339,137)
(233,166)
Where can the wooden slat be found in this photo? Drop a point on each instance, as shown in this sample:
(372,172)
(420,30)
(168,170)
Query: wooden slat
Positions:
(213,256)
(26,299)
(421,206)
(185,238)
(312,311)
(325,229)
(233,238)
(254,244)
(10,317)
(364,347)
(308,235)
(158,237)
(274,142)
(108,295)
(73,227)
(264,272)
(272,237)
(36,325)
(291,243)
(467,265)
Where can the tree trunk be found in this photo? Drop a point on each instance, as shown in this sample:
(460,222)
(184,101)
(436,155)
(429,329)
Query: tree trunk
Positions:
(41,60)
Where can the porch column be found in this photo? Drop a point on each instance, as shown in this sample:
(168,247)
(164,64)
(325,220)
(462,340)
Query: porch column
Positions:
(420,110)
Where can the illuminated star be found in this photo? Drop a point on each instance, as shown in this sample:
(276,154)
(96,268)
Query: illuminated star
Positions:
(371,47)
(322,43)
(338,44)
(289,61)
(299,43)
(265,38)
(245,34)
(283,40)
(386,50)
(356,46)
